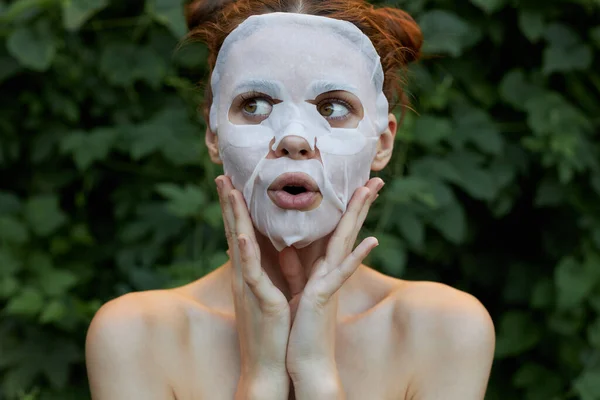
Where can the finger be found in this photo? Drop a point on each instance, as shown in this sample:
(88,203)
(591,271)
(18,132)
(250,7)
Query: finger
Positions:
(375,186)
(342,240)
(292,270)
(242,220)
(224,187)
(334,280)
(270,298)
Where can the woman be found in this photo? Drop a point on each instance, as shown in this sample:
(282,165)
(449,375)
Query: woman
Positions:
(298,113)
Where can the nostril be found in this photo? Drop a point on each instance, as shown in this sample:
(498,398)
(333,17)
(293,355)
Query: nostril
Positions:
(303,152)
(285,152)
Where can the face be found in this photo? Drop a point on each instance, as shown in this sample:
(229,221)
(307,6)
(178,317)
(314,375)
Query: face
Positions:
(298,117)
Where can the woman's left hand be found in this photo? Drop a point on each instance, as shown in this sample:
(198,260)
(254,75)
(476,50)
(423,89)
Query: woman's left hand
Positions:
(311,347)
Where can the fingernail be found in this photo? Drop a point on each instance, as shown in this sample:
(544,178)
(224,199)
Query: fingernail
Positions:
(380,185)
(232,198)
(219,183)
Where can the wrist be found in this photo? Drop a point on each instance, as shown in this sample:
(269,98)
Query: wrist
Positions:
(317,382)
(267,385)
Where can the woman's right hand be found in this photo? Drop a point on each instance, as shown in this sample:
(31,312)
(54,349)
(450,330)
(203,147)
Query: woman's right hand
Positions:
(261,310)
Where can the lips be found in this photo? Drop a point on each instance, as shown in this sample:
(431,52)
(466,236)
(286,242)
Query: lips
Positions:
(295,191)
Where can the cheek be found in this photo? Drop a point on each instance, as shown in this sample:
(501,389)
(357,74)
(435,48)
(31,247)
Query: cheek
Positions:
(346,173)
(239,163)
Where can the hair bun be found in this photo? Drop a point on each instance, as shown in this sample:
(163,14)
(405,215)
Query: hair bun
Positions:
(403,29)
(199,12)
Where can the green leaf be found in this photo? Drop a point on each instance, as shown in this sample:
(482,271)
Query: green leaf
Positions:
(171,133)
(390,255)
(124,63)
(9,203)
(517,333)
(446,33)
(170,14)
(430,130)
(543,294)
(573,282)
(479,128)
(9,263)
(587,385)
(87,148)
(530,375)
(56,282)
(8,65)
(593,334)
(53,312)
(489,6)
(28,302)
(551,113)
(184,201)
(475,180)
(77,12)
(434,168)
(44,214)
(532,24)
(411,227)
(595,36)
(550,193)
(516,90)
(565,51)
(451,222)
(8,286)
(12,230)
(33,46)
(410,189)
(565,59)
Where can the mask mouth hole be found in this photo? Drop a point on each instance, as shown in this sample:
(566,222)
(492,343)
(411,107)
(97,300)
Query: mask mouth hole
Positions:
(294,190)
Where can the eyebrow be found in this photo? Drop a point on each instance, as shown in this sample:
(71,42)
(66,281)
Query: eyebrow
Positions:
(320,87)
(269,87)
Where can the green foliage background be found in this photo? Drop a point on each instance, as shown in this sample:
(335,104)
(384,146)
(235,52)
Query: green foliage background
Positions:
(106,186)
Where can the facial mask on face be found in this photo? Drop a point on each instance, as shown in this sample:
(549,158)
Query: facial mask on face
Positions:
(295,58)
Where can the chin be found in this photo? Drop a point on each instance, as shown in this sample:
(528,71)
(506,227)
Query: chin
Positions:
(299,229)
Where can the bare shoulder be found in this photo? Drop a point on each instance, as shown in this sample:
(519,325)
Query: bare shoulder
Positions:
(137,315)
(132,339)
(431,305)
(451,338)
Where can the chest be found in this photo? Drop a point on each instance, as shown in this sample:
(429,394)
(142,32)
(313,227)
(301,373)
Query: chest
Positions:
(369,356)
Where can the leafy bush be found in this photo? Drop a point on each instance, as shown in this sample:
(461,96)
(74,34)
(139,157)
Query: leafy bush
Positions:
(106,186)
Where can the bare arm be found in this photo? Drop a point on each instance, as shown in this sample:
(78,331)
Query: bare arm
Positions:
(455,352)
(120,361)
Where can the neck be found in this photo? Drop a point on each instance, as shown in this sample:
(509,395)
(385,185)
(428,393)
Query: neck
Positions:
(270,259)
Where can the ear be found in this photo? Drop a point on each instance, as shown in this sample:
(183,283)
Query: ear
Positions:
(385,146)
(212,143)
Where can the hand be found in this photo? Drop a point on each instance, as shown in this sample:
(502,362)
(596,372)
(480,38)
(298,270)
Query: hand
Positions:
(261,310)
(311,346)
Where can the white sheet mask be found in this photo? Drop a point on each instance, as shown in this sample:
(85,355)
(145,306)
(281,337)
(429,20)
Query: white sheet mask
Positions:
(294,58)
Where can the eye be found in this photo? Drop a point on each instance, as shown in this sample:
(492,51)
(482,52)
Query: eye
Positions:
(334,109)
(257,107)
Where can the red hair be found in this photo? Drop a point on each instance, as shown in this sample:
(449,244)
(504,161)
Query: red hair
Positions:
(395,34)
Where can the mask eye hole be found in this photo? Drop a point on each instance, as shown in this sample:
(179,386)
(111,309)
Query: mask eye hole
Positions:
(257,107)
(251,108)
(340,108)
(334,109)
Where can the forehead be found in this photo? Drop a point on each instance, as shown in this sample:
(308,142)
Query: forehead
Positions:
(296,56)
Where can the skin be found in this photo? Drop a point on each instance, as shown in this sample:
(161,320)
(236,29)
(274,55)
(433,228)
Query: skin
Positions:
(307,324)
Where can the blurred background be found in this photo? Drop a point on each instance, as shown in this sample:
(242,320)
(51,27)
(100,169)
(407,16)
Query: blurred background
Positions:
(106,187)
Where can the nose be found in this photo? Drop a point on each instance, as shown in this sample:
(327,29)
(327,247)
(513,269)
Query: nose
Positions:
(294,147)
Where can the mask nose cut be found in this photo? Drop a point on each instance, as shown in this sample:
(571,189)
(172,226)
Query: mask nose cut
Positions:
(294,147)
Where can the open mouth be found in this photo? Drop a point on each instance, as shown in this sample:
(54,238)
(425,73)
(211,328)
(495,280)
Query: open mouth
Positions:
(295,191)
